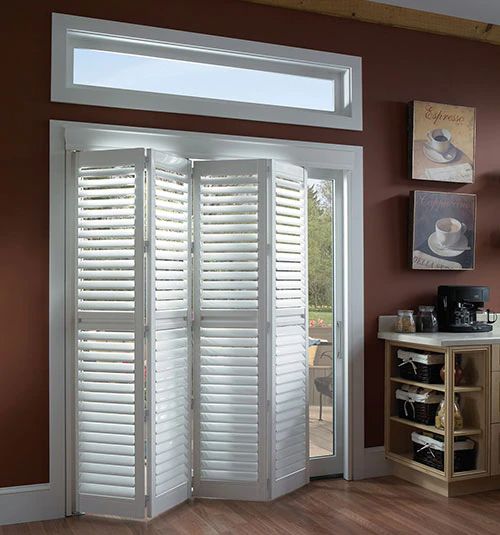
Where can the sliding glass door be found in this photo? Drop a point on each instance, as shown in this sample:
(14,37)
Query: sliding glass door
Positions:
(325,324)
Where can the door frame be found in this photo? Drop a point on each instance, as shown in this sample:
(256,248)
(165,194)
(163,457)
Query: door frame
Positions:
(90,136)
(332,465)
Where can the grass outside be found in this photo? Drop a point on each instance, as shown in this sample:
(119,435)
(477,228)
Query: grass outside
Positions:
(320,314)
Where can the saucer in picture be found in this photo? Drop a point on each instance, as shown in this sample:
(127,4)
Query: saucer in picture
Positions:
(440,250)
(438,157)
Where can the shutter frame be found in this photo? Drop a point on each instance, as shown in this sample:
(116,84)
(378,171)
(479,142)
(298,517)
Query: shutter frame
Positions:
(250,254)
(166,486)
(289,468)
(239,457)
(98,491)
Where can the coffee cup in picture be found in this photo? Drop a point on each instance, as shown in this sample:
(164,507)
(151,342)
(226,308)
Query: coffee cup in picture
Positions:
(449,231)
(439,139)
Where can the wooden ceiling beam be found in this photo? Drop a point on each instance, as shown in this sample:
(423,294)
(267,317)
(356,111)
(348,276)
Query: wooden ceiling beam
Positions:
(400,17)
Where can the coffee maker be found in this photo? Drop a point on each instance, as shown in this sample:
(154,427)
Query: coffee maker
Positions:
(458,307)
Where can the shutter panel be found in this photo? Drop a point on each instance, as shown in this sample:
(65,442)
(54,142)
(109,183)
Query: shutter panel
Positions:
(230,338)
(169,319)
(110,321)
(289,334)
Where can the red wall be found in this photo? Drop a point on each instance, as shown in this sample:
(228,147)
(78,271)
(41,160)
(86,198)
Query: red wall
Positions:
(398,66)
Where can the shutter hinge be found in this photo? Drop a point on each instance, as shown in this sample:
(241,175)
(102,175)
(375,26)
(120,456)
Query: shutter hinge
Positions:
(146,499)
(192,247)
(192,404)
(146,246)
(146,414)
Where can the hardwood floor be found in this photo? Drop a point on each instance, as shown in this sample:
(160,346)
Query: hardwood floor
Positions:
(379,506)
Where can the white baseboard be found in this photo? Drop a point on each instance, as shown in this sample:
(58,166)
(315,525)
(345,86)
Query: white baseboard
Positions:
(29,503)
(376,465)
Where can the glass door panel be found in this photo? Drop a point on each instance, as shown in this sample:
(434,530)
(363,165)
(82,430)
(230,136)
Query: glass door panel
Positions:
(325,371)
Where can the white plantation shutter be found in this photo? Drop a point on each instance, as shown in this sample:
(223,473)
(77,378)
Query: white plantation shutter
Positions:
(230,338)
(109,338)
(289,455)
(237,310)
(169,311)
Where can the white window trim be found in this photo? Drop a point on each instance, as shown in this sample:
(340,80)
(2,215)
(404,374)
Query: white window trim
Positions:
(85,136)
(45,501)
(69,32)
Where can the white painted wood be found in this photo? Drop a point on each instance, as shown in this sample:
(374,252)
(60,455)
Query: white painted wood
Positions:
(309,155)
(109,348)
(69,32)
(168,331)
(288,320)
(354,317)
(376,465)
(229,332)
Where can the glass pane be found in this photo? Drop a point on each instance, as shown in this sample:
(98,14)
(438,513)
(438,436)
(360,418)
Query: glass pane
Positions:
(101,68)
(321,320)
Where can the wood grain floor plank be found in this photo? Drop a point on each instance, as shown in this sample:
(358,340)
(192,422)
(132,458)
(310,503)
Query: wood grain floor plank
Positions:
(383,506)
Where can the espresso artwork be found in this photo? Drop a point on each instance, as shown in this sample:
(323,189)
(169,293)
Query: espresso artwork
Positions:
(442,142)
(443,230)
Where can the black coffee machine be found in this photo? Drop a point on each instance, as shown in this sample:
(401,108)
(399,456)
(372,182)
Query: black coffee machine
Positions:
(458,307)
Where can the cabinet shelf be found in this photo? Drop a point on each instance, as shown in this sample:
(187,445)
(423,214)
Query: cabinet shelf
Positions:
(438,387)
(407,460)
(466,431)
(474,398)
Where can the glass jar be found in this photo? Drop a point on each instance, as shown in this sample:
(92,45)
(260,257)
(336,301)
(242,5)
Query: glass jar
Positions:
(458,420)
(405,322)
(427,320)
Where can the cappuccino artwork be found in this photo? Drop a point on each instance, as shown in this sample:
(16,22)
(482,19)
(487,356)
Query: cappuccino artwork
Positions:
(442,142)
(442,227)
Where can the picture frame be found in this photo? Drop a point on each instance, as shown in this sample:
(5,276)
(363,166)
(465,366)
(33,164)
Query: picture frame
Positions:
(442,230)
(442,142)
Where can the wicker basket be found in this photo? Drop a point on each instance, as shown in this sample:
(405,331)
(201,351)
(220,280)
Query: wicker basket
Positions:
(430,451)
(418,404)
(421,367)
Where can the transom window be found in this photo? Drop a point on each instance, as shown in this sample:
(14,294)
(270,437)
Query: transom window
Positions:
(129,66)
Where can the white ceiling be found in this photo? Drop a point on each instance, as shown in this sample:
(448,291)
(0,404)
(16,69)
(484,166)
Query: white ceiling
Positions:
(480,10)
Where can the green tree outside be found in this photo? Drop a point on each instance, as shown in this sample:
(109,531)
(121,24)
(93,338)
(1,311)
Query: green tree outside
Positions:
(320,243)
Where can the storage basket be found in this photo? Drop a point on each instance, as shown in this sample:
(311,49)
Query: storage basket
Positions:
(418,404)
(430,451)
(421,367)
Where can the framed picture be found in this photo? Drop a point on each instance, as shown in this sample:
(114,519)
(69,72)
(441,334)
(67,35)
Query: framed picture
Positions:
(442,142)
(443,230)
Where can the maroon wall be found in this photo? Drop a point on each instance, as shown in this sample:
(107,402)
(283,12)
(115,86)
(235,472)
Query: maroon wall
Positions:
(398,66)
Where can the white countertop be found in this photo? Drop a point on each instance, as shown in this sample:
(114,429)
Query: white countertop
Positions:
(437,339)
(443,339)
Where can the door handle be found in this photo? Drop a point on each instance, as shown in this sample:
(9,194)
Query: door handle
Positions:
(339,340)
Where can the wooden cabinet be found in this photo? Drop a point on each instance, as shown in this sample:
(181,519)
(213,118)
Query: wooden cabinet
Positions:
(495,397)
(495,450)
(479,399)
(495,358)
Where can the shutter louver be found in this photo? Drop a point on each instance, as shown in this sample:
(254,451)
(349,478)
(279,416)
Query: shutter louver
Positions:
(110,318)
(230,342)
(169,392)
(289,338)
(240,314)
